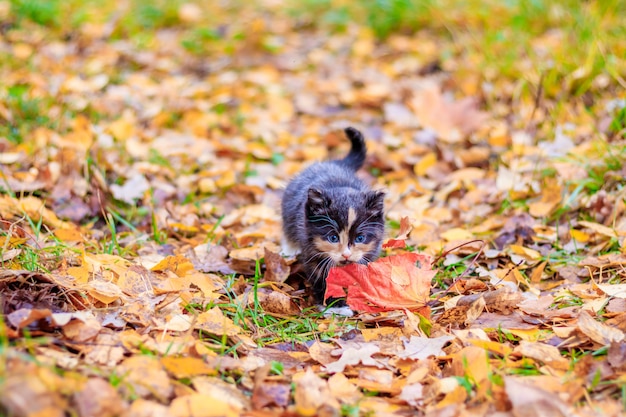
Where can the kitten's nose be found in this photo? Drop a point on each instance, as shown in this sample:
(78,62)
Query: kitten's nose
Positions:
(346,253)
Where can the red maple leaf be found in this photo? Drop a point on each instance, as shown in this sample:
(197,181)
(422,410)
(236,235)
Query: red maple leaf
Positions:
(403,234)
(397,282)
(394,244)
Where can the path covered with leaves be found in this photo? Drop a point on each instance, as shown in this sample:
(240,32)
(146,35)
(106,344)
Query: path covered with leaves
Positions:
(143,153)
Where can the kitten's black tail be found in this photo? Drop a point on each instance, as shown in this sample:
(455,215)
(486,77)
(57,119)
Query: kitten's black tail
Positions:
(354,160)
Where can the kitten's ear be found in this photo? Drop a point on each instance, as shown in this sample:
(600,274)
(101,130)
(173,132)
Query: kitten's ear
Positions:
(317,202)
(375,201)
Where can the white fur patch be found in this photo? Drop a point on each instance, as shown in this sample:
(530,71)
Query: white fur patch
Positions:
(288,249)
(344,311)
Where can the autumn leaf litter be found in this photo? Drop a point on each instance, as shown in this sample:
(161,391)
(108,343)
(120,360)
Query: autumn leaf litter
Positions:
(139,228)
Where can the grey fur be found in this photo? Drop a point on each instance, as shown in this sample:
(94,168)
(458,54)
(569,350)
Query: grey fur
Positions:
(318,201)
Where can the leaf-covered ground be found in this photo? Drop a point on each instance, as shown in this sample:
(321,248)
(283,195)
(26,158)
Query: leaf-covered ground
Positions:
(143,149)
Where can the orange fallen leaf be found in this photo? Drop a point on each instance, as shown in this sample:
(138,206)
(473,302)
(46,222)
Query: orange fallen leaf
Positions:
(403,235)
(399,282)
(182,367)
(394,244)
(178,264)
(200,405)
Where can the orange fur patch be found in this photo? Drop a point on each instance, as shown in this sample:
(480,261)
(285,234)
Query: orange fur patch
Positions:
(351,218)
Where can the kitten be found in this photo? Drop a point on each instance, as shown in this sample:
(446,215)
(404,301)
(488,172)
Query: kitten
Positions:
(331,217)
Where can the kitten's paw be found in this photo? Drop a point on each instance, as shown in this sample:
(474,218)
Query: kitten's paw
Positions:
(288,250)
(344,311)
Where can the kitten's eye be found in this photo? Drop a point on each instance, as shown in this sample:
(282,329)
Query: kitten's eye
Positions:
(359,239)
(333,238)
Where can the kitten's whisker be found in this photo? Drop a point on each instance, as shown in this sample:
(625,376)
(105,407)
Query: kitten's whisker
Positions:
(371,215)
(370,228)
(326,218)
(315,255)
(321,266)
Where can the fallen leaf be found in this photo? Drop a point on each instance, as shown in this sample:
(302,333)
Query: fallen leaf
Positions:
(201,405)
(452,120)
(598,332)
(276,268)
(133,189)
(98,399)
(354,354)
(182,367)
(144,376)
(394,244)
(394,282)
(530,400)
(311,393)
(215,322)
(549,355)
(420,348)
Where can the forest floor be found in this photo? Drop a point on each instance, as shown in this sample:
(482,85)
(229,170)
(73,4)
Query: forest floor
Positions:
(144,147)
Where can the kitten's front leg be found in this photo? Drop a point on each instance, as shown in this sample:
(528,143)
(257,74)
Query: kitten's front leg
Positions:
(288,249)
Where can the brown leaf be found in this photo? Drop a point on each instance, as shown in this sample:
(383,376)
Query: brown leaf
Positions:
(549,355)
(268,391)
(145,376)
(598,332)
(452,120)
(24,393)
(311,394)
(98,399)
(276,268)
(529,400)
(278,302)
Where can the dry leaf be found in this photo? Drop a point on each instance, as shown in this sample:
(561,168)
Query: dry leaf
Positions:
(311,394)
(420,348)
(98,399)
(529,400)
(452,120)
(394,282)
(200,405)
(598,332)
(354,354)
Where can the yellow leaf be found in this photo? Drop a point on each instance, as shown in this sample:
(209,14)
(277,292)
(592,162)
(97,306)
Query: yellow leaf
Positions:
(457,234)
(490,345)
(254,253)
(183,228)
(11,242)
(579,235)
(70,234)
(124,127)
(208,284)
(80,273)
(201,405)
(550,199)
(531,335)
(227,179)
(183,367)
(105,292)
(529,254)
(177,264)
(426,162)
(599,228)
(214,321)
(381,333)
